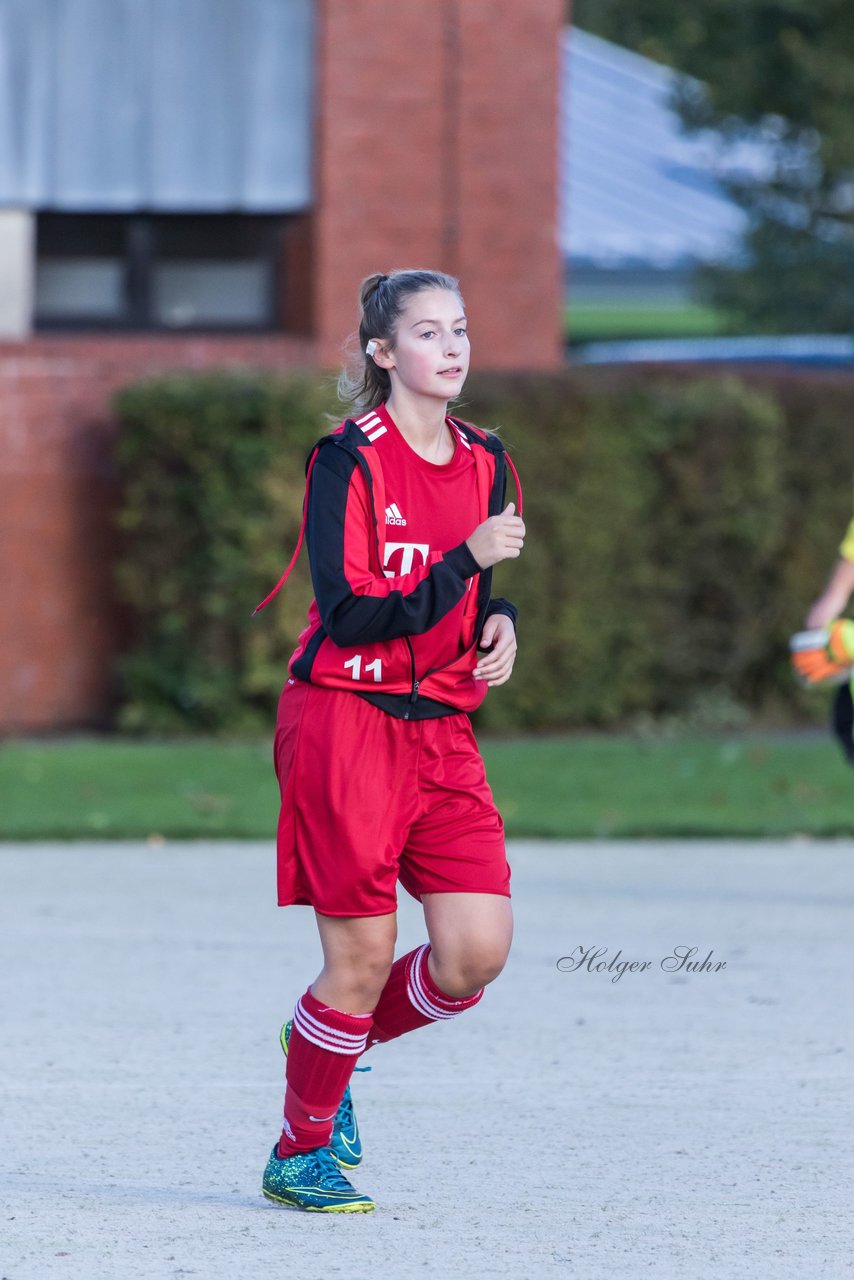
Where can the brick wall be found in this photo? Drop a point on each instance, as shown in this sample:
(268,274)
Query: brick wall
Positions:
(437,146)
(507,206)
(59,623)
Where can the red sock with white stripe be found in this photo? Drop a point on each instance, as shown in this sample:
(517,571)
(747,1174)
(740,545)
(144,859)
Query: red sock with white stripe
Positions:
(323,1048)
(411,999)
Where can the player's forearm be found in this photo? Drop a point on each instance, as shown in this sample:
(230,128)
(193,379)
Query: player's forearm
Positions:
(835,596)
(351,617)
(357,605)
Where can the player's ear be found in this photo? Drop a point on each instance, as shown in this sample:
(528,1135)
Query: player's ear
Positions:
(377,350)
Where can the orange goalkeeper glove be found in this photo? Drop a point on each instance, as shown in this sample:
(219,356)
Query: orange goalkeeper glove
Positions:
(824,656)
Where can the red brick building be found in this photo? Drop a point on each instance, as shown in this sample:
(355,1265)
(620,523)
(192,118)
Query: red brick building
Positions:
(432,141)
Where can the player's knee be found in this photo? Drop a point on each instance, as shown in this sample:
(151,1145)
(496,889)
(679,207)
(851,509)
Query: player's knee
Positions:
(362,974)
(486,968)
(375,970)
(464,974)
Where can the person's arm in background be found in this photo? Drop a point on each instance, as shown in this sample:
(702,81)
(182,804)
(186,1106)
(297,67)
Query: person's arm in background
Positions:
(839,589)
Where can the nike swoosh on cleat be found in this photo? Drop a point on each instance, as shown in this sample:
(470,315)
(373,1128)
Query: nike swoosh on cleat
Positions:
(349,1143)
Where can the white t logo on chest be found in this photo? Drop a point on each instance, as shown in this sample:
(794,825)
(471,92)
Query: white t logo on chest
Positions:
(411,554)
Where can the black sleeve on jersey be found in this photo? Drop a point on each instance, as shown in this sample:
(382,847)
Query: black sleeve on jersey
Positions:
(499,605)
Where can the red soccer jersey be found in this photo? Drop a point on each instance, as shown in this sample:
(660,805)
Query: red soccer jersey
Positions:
(400,601)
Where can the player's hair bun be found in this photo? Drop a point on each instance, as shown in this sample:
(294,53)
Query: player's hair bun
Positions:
(369,287)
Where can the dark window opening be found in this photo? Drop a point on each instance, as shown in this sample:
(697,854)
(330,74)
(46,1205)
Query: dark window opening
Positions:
(167,272)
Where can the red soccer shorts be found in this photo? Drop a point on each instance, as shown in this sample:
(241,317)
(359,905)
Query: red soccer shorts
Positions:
(368,799)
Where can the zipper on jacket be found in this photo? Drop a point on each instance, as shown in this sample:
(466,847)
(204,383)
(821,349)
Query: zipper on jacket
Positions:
(416,683)
(413,698)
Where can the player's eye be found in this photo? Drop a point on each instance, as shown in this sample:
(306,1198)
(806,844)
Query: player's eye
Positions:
(461,333)
(428,333)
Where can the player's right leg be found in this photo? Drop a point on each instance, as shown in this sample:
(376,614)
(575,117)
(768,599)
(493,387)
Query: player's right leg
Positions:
(346,1141)
(329,1031)
(342,766)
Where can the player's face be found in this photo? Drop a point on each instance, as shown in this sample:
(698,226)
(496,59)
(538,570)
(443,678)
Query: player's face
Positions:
(431,348)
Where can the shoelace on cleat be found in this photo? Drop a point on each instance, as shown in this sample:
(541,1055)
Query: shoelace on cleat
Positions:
(333,1178)
(344,1115)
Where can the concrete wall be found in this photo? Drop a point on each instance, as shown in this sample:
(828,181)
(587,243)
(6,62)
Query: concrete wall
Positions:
(17,272)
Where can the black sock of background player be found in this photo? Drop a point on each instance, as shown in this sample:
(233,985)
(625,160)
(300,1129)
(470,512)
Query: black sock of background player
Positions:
(842,720)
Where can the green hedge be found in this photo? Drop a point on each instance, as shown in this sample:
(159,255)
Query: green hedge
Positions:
(679,523)
(212,474)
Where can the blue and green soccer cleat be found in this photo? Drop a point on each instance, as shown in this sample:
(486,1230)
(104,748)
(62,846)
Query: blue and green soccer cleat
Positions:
(312,1180)
(345,1143)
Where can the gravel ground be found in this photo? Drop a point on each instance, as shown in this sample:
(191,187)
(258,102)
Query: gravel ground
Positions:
(604,1125)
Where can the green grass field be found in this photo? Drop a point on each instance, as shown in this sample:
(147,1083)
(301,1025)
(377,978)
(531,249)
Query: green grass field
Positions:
(592,323)
(554,787)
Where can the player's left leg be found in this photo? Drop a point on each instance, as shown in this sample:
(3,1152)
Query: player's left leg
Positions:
(455,864)
(470,936)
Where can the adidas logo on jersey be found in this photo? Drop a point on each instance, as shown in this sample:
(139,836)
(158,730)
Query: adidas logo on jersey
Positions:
(393,516)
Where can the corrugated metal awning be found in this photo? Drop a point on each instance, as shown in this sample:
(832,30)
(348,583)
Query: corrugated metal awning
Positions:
(635,188)
(174,105)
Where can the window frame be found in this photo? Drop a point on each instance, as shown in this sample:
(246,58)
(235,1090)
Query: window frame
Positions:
(141,254)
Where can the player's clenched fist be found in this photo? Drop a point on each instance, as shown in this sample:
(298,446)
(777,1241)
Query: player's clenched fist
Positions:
(498,538)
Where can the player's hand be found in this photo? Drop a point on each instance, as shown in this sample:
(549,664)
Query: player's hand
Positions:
(496,667)
(824,655)
(498,538)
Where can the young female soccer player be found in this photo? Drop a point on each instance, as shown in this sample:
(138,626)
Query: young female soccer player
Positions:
(835,596)
(825,651)
(380,776)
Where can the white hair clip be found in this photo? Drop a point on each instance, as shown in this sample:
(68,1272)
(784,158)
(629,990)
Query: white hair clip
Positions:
(371,347)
